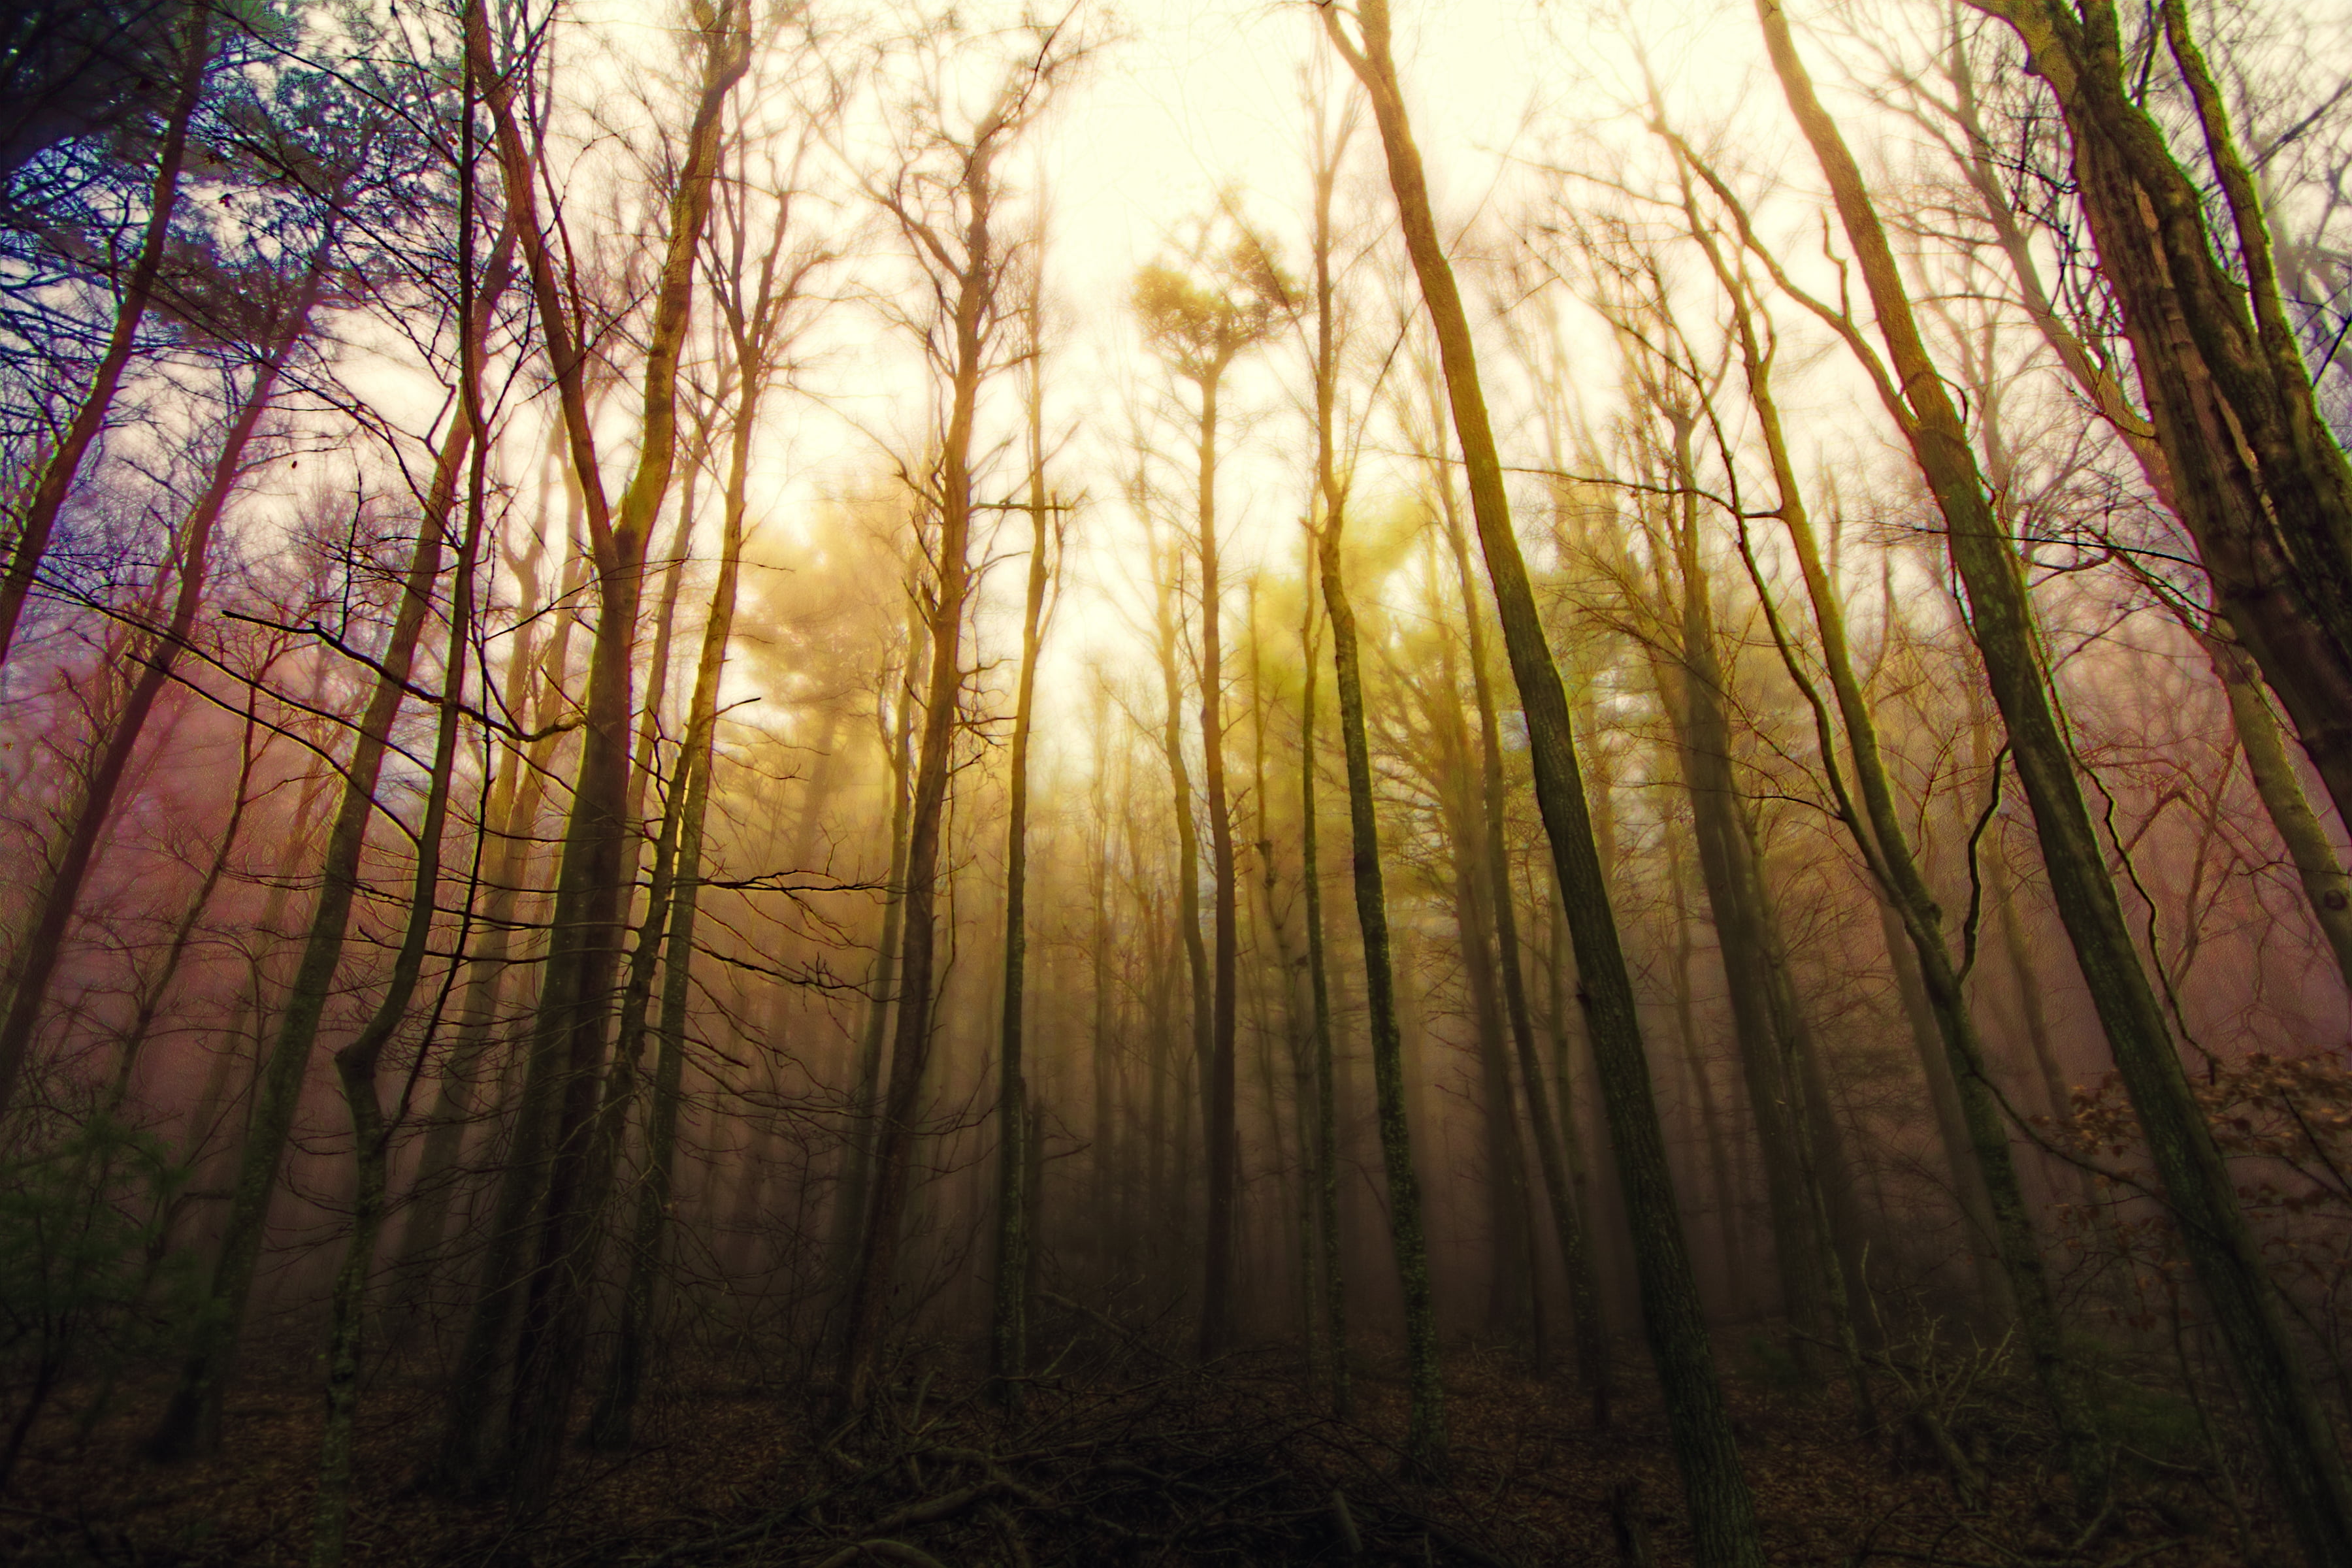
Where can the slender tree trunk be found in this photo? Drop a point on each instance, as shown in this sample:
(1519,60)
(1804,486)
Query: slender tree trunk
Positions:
(1009,1328)
(1425,1439)
(1222,1133)
(677,888)
(1568,1219)
(356,1064)
(1330,497)
(513,806)
(974,285)
(1887,850)
(57,474)
(58,899)
(1702,733)
(2324,884)
(850,1202)
(1188,879)
(2295,1431)
(542,1247)
(1729,1207)
(1327,1118)
(1722,1512)
(217,1330)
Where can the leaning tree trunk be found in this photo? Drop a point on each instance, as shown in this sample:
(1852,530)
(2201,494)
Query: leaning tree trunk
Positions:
(2295,1431)
(1568,1219)
(1318,980)
(191,1422)
(2263,485)
(1722,1511)
(39,519)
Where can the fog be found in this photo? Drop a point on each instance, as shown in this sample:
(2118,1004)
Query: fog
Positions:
(1248,784)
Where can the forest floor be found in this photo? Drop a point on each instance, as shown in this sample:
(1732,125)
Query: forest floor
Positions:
(1135,1459)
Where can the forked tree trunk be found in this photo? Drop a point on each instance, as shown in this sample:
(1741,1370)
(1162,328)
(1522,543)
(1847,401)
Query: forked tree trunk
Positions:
(971,297)
(542,1252)
(2263,485)
(2258,728)
(1329,149)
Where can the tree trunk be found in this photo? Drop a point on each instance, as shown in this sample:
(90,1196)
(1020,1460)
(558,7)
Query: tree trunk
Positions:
(1318,979)
(850,1202)
(356,1064)
(1722,1512)
(1009,1328)
(2261,484)
(514,805)
(1220,1133)
(973,290)
(57,474)
(611,1423)
(1188,882)
(2294,1430)
(543,1246)
(1426,1440)
(216,1335)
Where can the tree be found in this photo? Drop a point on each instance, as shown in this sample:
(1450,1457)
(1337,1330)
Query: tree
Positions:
(2295,1434)
(1722,1511)
(1200,328)
(92,70)
(542,1248)
(2257,476)
(960,249)
(1009,1335)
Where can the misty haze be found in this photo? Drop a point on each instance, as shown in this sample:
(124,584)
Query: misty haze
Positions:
(818,783)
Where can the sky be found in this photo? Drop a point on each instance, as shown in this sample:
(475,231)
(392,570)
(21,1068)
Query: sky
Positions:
(1181,101)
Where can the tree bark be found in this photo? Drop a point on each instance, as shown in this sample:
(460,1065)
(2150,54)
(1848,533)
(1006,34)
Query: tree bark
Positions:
(215,1336)
(970,291)
(1329,149)
(2259,481)
(356,1064)
(1221,1131)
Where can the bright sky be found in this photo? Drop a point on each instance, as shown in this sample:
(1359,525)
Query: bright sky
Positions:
(1184,99)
